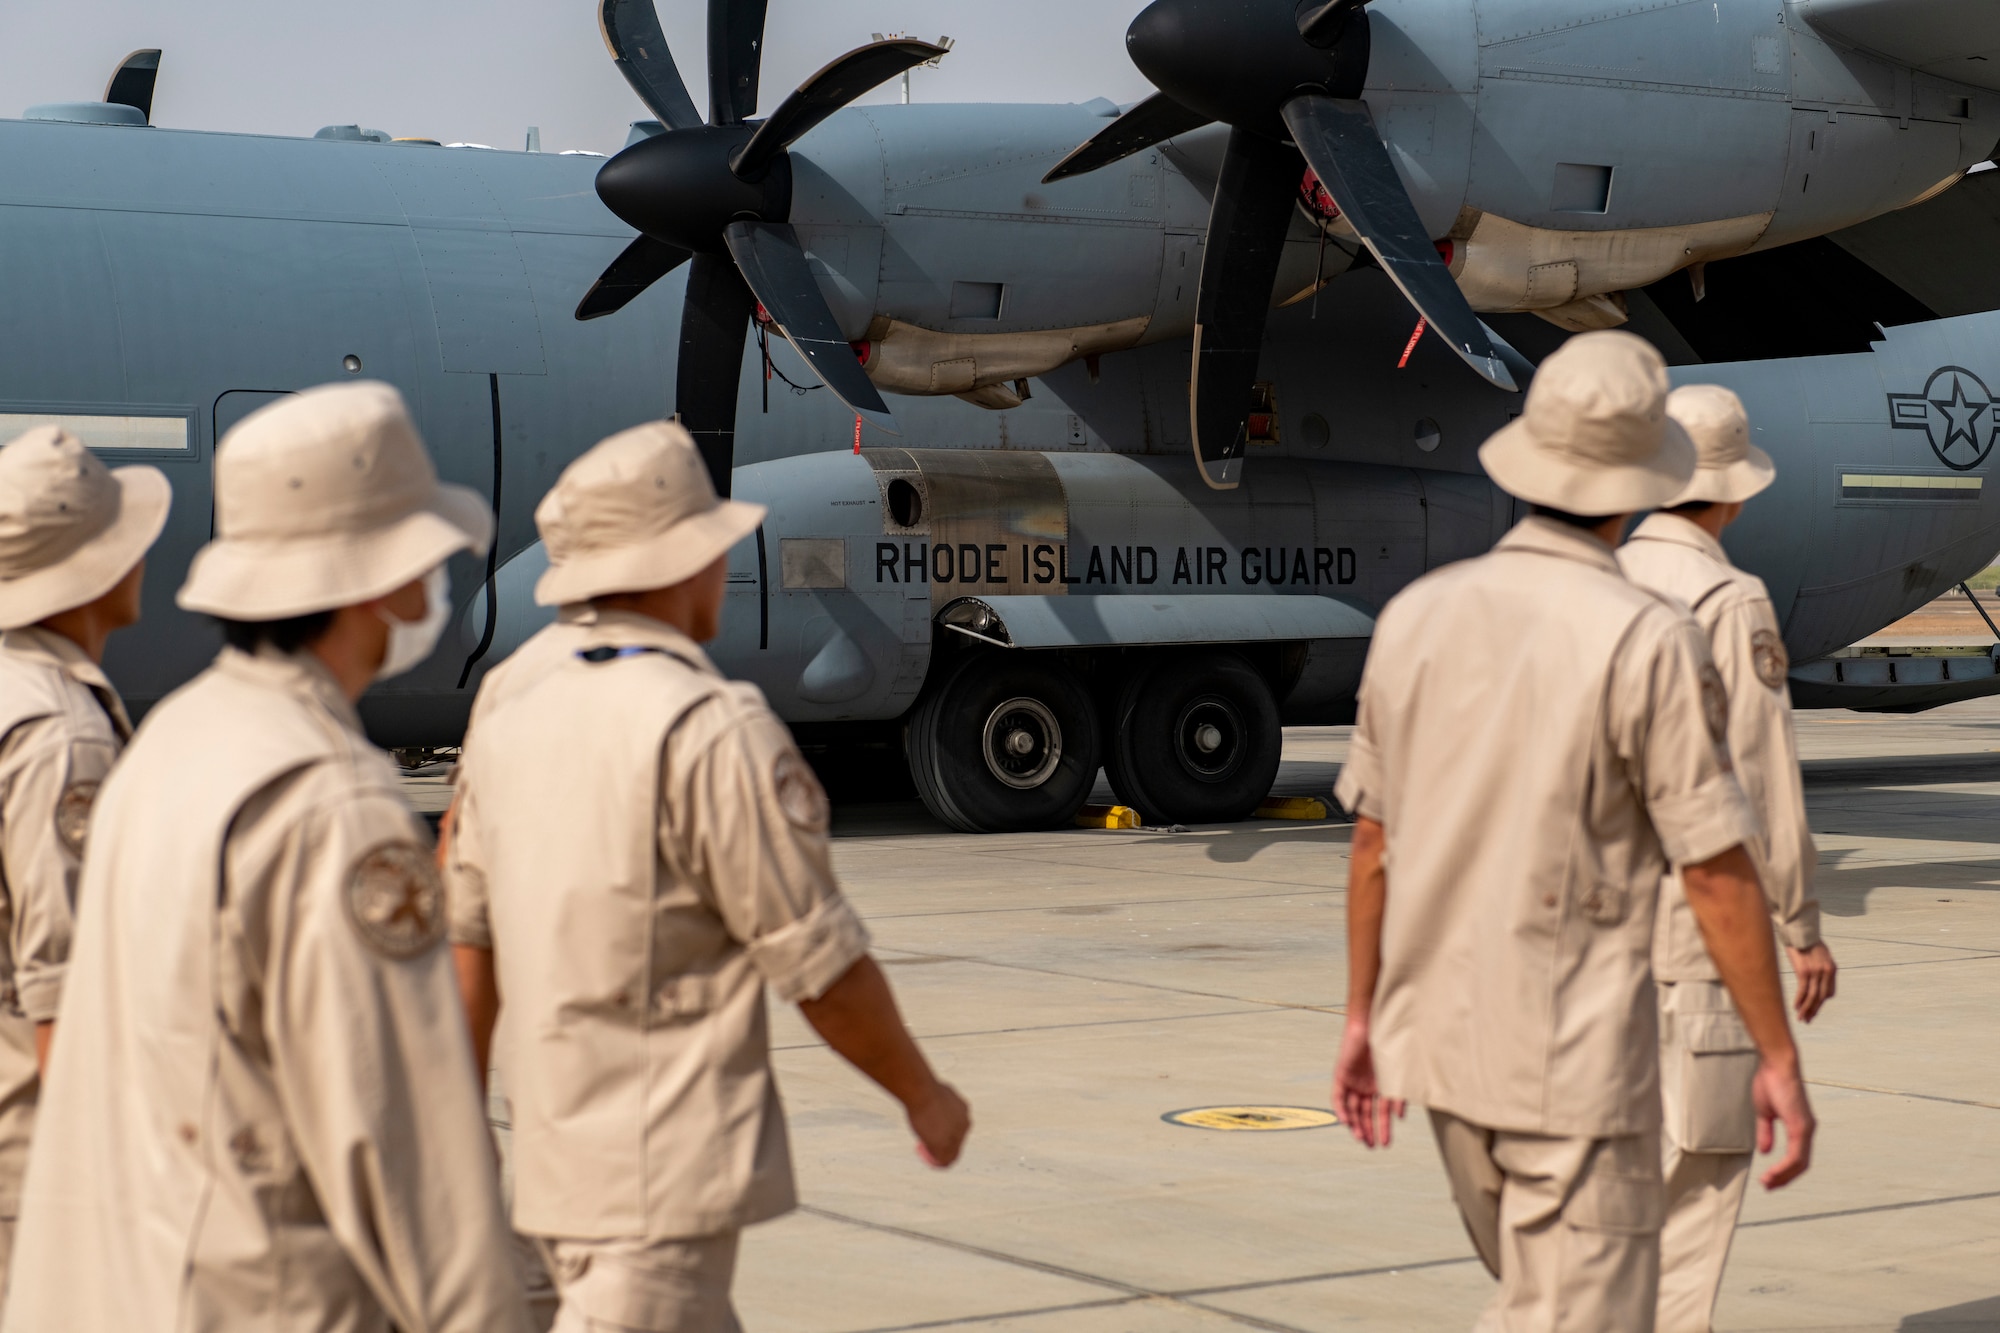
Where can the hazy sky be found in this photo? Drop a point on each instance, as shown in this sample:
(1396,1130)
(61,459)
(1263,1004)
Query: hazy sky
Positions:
(485,70)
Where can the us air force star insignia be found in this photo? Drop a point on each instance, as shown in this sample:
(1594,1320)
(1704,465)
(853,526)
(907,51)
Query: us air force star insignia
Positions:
(395,901)
(73,814)
(799,794)
(1769,658)
(1956,411)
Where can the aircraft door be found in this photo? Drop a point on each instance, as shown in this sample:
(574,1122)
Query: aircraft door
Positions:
(231,406)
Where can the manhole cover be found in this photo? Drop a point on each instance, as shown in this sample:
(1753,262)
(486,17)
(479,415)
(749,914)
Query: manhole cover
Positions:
(1251,1117)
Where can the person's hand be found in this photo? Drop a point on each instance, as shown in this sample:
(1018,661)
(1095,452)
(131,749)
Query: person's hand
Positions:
(1780,1094)
(1816,969)
(940,1121)
(1355,1095)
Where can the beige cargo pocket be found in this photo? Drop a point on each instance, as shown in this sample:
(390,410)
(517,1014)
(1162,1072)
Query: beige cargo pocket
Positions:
(1712,1110)
(1621,1190)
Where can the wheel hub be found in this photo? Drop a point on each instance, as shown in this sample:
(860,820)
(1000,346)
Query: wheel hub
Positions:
(1209,738)
(1022,743)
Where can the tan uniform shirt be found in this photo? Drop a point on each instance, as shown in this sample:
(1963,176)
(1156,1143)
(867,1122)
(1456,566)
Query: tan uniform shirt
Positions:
(1671,555)
(643,848)
(61,728)
(1539,739)
(261,1108)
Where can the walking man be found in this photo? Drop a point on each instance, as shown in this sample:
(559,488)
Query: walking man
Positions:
(1707,1059)
(73,541)
(639,849)
(1538,741)
(262,1109)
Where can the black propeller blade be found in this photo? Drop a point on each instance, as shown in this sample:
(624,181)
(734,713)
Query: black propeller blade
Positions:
(643,263)
(735,59)
(714,321)
(721,192)
(1239,264)
(632,30)
(833,87)
(1340,143)
(774,264)
(1154,120)
(133,81)
(1277,74)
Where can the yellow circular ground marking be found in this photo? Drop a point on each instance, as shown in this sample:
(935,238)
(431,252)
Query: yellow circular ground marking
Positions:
(1252,1117)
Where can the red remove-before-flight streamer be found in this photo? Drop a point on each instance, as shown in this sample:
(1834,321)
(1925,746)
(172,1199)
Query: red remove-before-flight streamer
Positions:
(1411,345)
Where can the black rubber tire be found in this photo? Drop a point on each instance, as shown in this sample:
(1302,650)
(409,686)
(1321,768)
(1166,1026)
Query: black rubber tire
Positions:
(1154,757)
(982,701)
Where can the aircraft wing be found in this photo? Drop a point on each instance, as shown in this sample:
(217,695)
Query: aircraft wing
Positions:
(1945,251)
(1951,39)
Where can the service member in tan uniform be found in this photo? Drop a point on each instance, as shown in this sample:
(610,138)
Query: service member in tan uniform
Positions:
(262,1109)
(73,542)
(1538,740)
(640,849)
(1707,1059)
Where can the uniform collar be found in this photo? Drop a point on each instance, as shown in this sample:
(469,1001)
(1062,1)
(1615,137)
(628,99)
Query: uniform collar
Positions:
(623,629)
(301,674)
(1659,527)
(1546,536)
(61,653)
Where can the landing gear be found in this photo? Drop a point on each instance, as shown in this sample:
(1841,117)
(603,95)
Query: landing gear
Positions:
(1005,743)
(1194,740)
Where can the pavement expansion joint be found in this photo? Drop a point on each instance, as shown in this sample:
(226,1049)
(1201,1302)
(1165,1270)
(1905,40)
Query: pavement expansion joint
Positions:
(1902,1092)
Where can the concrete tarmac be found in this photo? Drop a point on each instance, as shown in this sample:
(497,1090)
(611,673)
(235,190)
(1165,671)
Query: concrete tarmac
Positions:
(1078,985)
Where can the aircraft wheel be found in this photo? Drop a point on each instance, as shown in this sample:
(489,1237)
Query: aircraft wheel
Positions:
(1005,743)
(1195,740)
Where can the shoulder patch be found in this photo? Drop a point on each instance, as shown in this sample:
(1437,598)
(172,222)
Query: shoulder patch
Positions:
(395,900)
(1715,707)
(73,814)
(799,794)
(1769,659)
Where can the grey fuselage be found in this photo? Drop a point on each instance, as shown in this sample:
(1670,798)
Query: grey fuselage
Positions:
(166,274)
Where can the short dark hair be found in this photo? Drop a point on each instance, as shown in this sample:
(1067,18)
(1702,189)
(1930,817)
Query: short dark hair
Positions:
(1692,507)
(1574,520)
(287,636)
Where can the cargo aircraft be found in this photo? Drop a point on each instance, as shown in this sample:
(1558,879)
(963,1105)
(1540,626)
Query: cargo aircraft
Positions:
(1092,437)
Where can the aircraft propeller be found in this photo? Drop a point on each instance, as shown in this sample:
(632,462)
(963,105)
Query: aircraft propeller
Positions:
(717,195)
(1286,76)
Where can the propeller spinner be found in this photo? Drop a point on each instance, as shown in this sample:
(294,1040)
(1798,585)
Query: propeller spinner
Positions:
(717,195)
(1286,77)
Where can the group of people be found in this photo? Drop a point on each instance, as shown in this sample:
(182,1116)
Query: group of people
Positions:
(250,1008)
(1578,815)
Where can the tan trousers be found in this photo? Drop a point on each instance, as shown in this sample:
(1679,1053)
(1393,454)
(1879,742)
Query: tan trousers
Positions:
(1571,1227)
(640,1286)
(1707,1062)
(20,1086)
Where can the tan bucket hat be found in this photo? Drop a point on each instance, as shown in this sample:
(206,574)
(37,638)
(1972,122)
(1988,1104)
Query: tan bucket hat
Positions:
(325,499)
(70,528)
(1728,468)
(636,512)
(1594,437)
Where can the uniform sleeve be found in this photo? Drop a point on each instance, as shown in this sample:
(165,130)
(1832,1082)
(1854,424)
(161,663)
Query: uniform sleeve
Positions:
(465,892)
(1750,655)
(46,814)
(1668,711)
(371,1059)
(1359,786)
(749,819)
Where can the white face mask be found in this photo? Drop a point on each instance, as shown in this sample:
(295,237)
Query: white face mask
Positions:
(411,641)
